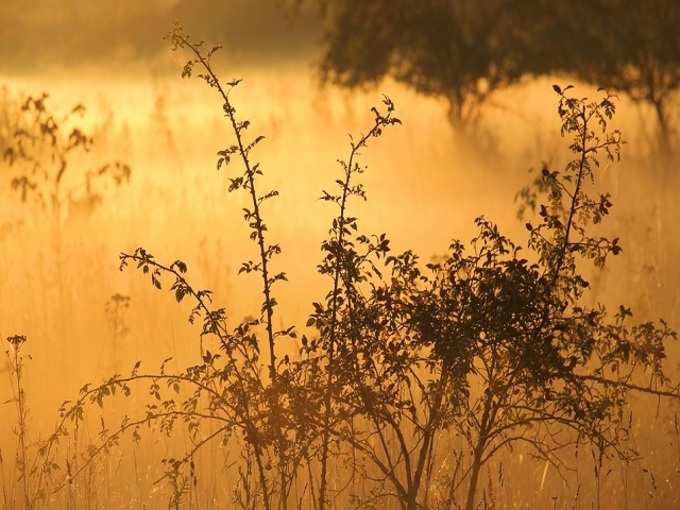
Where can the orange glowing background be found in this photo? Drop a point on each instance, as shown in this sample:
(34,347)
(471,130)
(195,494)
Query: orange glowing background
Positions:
(426,182)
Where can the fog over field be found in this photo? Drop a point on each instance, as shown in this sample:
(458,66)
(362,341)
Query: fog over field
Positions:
(385,372)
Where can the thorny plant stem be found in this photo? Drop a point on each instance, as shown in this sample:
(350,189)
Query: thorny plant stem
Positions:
(259,224)
(574,198)
(478,452)
(339,262)
(323,484)
(407,493)
(266,282)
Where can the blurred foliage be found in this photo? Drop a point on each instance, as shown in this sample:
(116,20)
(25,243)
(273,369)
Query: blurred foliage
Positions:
(40,146)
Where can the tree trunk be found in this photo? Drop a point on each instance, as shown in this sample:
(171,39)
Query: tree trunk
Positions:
(411,503)
(474,476)
(663,126)
(485,427)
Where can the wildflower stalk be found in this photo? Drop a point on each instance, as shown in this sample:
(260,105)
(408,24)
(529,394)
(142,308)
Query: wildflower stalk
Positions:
(16,362)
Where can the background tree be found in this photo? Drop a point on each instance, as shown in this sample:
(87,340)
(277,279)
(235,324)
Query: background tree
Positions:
(464,50)
(629,47)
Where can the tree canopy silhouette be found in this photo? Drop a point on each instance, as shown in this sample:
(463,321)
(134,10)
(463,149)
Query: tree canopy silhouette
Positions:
(465,50)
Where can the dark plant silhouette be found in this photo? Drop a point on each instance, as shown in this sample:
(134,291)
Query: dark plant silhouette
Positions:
(10,118)
(496,345)
(338,258)
(542,367)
